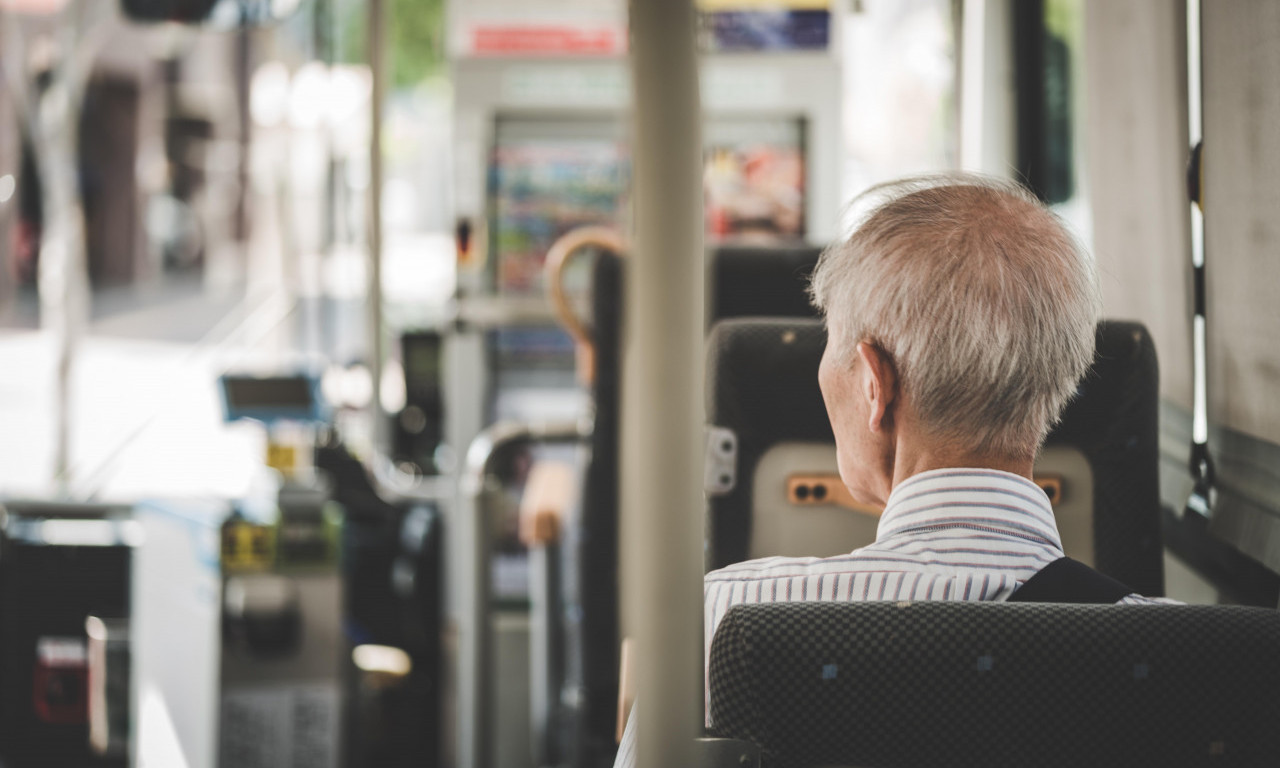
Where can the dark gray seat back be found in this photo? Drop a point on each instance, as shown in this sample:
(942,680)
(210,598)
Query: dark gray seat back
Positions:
(762,388)
(575,597)
(997,684)
(1113,423)
(762,391)
(761,282)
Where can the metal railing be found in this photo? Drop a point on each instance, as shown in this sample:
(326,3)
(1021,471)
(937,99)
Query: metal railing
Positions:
(475,673)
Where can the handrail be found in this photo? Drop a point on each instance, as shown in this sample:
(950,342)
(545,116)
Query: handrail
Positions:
(475,683)
(395,486)
(1201,464)
(558,257)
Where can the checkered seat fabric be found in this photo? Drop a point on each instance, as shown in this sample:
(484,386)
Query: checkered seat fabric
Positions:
(996,684)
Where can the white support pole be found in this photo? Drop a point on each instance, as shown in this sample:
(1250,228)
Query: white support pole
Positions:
(987,131)
(63,272)
(378,67)
(662,410)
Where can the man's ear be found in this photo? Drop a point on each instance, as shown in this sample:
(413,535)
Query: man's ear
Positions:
(879,385)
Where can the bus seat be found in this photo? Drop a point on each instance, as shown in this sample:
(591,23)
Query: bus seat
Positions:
(768,421)
(600,634)
(770,450)
(761,282)
(1112,426)
(999,684)
(574,584)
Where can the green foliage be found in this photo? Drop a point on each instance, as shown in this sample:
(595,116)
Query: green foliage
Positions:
(415,32)
(417,41)
(1064,19)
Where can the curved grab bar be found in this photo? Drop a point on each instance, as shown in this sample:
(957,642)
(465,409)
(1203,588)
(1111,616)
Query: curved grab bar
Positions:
(503,434)
(558,257)
(475,684)
(395,486)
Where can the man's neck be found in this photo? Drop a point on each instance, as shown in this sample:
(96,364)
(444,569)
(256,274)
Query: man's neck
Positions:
(910,461)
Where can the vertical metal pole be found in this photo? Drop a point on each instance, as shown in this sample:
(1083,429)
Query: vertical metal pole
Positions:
(986,113)
(63,274)
(64,294)
(1195,131)
(378,67)
(1201,460)
(474,728)
(243,63)
(971,54)
(662,407)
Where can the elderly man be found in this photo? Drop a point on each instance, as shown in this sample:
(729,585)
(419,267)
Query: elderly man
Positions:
(960,317)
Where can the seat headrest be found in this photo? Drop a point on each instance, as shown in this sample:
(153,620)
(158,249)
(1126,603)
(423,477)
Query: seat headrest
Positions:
(997,684)
(762,282)
(1120,394)
(762,379)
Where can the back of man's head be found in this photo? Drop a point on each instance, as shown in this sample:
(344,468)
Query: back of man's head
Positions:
(983,300)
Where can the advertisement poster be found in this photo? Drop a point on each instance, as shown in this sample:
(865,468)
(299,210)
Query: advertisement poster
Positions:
(753,181)
(548,178)
(765,25)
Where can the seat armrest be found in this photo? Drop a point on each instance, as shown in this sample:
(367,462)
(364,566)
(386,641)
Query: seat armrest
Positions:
(725,753)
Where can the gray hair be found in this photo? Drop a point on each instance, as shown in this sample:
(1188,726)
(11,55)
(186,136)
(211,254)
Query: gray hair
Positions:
(984,301)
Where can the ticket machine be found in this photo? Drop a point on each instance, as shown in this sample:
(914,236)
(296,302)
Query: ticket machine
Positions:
(64,622)
(238,605)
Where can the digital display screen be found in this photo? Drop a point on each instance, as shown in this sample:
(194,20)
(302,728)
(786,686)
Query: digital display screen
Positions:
(294,392)
(270,398)
(764,25)
(421,354)
(768,30)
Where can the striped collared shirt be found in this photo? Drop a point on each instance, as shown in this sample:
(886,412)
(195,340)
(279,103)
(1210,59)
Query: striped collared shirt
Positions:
(945,534)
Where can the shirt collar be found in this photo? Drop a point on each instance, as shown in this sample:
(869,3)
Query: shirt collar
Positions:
(983,499)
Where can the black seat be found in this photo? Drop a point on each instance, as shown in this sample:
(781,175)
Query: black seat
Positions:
(764,405)
(761,282)
(575,576)
(767,415)
(765,291)
(597,580)
(999,684)
(1113,422)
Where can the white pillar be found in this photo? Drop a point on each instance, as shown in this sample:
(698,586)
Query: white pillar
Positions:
(662,419)
(378,53)
(987,130)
